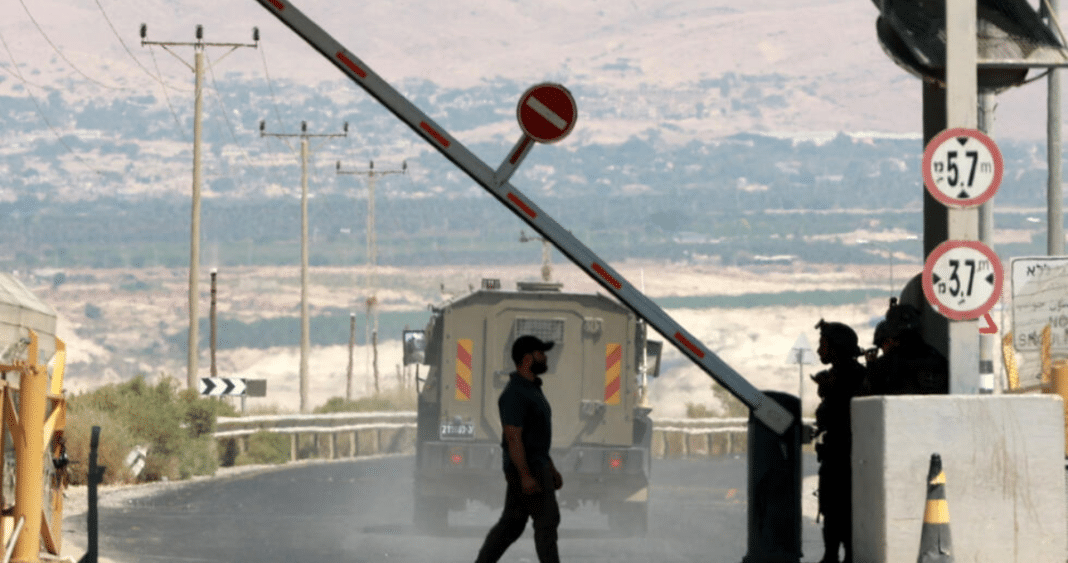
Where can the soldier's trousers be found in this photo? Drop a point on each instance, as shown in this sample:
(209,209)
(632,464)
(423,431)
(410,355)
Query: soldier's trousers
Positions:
(518,507)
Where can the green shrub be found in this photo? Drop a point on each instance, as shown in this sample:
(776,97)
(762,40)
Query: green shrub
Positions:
(175,425)
(265,448)
(394,400)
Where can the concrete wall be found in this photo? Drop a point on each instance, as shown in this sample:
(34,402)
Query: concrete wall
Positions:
(1003,458)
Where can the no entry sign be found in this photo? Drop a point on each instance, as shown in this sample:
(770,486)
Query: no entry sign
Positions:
(962,279)
(962,167)
(547,112)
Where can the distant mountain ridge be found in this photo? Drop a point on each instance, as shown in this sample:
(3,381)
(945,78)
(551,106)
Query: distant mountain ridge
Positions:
(109,116)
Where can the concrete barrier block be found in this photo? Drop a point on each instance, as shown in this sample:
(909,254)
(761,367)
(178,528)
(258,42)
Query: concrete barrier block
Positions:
(1003,458)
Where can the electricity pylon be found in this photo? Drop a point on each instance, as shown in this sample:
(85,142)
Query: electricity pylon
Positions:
(371,326)
(305,338)
(194,232)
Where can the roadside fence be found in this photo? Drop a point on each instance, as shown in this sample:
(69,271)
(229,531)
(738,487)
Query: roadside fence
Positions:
(345,435)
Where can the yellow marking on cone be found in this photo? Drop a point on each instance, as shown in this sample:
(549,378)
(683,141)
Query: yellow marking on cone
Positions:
(939,479)
(936,512)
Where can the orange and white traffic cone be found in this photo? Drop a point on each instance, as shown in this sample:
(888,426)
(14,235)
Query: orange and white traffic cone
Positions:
(936,545)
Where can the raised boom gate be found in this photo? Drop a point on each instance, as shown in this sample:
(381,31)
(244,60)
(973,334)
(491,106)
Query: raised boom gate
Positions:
(496,182)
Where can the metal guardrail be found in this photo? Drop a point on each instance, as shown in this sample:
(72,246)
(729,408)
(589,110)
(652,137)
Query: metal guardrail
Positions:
(355,434)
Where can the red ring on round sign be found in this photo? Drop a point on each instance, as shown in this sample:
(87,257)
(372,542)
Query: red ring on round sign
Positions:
(927,280)
(555,114)
(928,177)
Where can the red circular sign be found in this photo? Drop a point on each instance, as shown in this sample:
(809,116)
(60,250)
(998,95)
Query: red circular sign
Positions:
(962,167)
(962,279)
(547,112)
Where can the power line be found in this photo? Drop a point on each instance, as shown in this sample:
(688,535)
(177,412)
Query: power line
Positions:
(226,117)
(61,55)
(167,97)
(274,100)
(40,112)
(129,52)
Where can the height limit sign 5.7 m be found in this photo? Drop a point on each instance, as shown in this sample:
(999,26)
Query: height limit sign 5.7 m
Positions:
(962,167)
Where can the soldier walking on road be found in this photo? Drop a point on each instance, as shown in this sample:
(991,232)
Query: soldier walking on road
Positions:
(526,421)
(834,437)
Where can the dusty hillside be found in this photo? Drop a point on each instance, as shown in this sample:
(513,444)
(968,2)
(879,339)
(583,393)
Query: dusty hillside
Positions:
(138,309)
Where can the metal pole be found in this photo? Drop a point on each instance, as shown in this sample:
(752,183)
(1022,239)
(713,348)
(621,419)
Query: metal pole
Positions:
(963,224)
(194,230)
(29,454)
(214,341)
(304,327)
(352,345)
(374,348)
(1054,188)
(96,473)
(986,236)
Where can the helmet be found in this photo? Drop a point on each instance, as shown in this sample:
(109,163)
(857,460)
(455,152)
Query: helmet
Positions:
(901,318)
(840,338)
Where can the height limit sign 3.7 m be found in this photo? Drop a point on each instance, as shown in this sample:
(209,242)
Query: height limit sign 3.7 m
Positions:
(962,167)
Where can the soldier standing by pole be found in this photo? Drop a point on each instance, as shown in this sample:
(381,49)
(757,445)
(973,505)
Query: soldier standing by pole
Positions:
(834,438)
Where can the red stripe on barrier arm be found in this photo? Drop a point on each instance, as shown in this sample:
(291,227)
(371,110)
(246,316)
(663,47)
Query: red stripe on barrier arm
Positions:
(519,203)
(607,277)
(277,5)
(433,133)
(519,152)
(351,65)
(689,345)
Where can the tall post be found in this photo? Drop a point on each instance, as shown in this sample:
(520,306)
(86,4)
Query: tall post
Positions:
(29,454)
(305,332)
(214,341)
(372,278)
(193,353)
(1054,188)
(371,328)
(305,329)
(352,346)
(963,224)
(986,236)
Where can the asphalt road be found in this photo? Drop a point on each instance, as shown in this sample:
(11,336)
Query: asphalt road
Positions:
(361,511)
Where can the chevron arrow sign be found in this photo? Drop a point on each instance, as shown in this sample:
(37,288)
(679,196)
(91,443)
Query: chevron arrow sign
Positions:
(218,386)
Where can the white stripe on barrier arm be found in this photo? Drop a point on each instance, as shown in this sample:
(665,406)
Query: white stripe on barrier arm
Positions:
(763,408)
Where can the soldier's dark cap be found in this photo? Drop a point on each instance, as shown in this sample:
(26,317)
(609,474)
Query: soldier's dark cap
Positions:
(840,337)
(527,344)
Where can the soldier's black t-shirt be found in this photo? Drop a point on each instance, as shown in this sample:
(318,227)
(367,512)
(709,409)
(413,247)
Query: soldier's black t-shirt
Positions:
(523,404)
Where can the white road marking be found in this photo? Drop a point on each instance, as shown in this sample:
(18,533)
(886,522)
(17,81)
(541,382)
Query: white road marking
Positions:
(547,113)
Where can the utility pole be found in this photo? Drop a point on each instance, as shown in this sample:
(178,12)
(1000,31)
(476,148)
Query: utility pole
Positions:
(194,232)
(1054,188)
(305,338)
(371,326)
(352,344)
